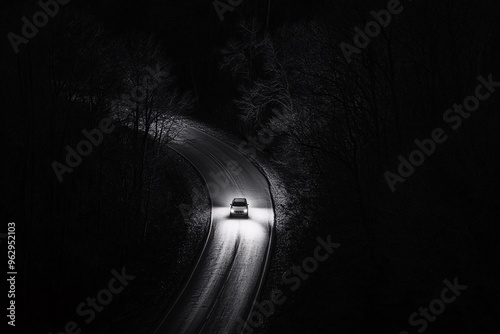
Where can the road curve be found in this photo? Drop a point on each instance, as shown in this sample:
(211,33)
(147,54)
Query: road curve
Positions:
(227,278)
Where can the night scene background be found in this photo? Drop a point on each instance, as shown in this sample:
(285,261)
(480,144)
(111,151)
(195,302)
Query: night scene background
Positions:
(364,135)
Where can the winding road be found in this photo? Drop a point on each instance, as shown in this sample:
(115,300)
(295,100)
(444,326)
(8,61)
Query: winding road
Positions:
(227,278)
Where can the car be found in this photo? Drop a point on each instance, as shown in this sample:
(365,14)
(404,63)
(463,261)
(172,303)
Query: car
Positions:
(239,207)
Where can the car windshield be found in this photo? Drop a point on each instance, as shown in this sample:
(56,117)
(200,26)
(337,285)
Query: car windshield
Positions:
(240,202)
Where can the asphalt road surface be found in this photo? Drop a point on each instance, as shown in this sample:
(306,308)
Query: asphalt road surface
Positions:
(227,278)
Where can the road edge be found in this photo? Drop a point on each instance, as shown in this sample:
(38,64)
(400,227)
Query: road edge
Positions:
(207,238)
